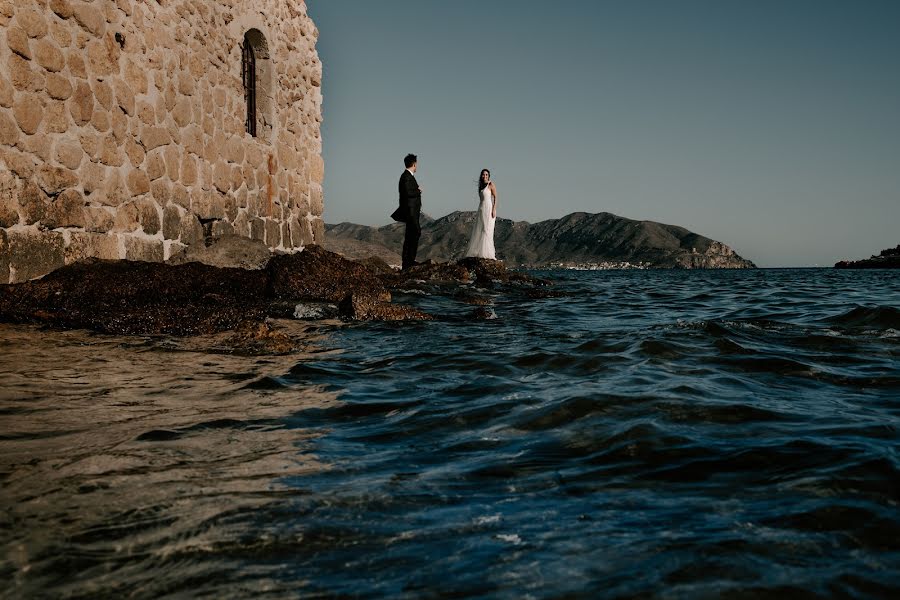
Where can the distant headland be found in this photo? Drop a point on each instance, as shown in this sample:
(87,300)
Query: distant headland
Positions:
(579,240)
(887,259)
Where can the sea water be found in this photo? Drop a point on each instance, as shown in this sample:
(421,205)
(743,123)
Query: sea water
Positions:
(673,434)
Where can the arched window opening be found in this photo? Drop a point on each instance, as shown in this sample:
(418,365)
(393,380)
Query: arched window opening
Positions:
(256,74)
(248,72)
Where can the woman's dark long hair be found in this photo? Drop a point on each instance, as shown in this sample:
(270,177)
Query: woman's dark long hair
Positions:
(481,183)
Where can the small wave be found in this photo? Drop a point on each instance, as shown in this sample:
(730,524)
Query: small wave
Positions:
(877,317)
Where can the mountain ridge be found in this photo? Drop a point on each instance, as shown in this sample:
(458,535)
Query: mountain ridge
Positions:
(579,239)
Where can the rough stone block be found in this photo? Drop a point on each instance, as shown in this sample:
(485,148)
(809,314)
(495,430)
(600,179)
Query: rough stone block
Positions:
(56,117)
(148,214)
(92,177)
(191,230)
(103,56)
(318,227)
(29,112)
(301,232)
(9,130)
(124,96)
(69,154)
(21,164)
(98,219)
(84,245)
(154,137)
(147,250)
(155,165)
(171,222)
(90,18)
(220,228)
(273,233)
(127,218)
(63,8)
(161,191)
(180,196)
(4,258)
(77,66)
(49,56)
(135,153)
(188,170)
(286,235)
(119,123)
(17,40)
(66,210)
(81,104)
(9,205)
(34,253)
(257,229)
(54,180)
(316,200)
(33,22)
(7,92)
(115,189)
(58,86)
(172,156)
(138,182)
(20,73)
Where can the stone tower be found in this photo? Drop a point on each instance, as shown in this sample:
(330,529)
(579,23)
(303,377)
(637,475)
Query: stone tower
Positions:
(132,129)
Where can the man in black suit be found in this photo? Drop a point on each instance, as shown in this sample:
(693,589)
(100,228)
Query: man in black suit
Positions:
(409,210)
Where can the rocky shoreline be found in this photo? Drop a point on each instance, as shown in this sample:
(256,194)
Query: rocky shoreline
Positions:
(194,299)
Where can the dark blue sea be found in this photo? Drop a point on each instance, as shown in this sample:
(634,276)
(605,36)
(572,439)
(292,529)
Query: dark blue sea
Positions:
(645,434)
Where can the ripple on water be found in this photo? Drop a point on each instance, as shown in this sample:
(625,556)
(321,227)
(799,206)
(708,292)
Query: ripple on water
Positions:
(654,433)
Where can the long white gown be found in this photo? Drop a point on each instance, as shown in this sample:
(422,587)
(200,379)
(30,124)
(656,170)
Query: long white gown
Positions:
(481,242)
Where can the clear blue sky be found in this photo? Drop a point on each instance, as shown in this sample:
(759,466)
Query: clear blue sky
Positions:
(770,125)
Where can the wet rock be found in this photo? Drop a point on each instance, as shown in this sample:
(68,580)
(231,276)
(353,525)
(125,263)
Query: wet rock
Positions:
(377,264)
(252,337)
(483,313)
(227,251)
(139,298)
(430,272)
(34,253)
(365,307)
(473,299)
(316,274)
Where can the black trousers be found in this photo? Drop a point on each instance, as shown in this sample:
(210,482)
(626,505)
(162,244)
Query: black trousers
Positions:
(411,239)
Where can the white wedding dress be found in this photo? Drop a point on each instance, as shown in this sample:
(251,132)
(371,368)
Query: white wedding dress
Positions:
(481,242)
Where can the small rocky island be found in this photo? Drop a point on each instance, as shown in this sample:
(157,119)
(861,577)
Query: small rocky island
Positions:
(887,259)
(579,240)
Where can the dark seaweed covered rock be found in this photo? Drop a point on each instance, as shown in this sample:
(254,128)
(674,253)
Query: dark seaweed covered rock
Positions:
(146,298)
(316,274)
(122,297)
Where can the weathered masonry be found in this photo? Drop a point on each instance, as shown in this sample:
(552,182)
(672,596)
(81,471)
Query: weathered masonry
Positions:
(132,129)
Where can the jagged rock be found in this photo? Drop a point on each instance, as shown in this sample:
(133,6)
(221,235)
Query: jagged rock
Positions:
(365,307)
(227,251)
(377,265)
(252,337)
(316,274)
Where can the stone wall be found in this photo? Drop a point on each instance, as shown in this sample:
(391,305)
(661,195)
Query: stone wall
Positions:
(122,129)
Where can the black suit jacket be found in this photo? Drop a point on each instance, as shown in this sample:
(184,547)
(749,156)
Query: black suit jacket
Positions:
(410,203)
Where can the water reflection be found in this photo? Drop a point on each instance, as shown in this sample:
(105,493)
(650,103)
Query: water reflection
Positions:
(123,459)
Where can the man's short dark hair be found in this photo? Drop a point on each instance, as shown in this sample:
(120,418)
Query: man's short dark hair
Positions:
(410,160)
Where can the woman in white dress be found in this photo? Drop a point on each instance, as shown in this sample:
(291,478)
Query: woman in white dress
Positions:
(481,242)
